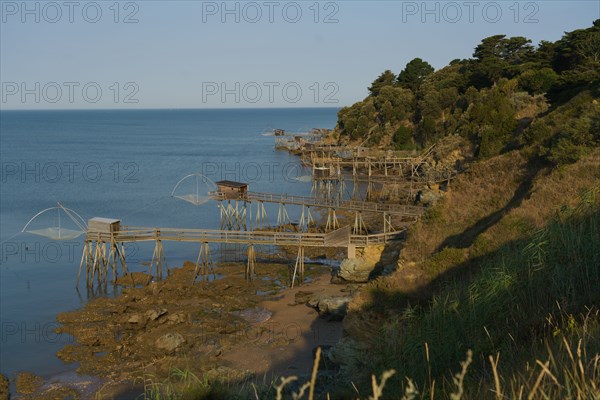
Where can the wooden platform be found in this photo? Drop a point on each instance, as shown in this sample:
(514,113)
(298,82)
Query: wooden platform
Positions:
(320,202)
(305,239)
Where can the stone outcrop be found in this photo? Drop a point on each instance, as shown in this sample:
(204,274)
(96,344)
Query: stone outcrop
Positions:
(333,307)
(371,261)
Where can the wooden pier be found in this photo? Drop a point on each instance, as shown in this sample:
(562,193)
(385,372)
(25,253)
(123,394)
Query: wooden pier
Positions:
(104,249)
(239,215)
(105,241)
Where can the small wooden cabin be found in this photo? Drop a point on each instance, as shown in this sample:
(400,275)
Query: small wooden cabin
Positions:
(362,151)
(103,225)
(322,173)
(232,190)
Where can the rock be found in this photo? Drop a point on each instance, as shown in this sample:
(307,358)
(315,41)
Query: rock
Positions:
(333,307)
(212,348)
(4,393)
(430,196)
(28,383)
(136,319)
(170,342)
(177,318)
(134,279)
(254,315)
(359,269)
(302,297)
(153,315)
(347,352)
(355,270)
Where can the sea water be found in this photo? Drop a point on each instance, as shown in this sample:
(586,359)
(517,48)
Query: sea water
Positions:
(121,164)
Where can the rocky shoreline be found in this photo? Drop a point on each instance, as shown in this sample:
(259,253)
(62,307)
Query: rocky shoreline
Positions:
(227,330)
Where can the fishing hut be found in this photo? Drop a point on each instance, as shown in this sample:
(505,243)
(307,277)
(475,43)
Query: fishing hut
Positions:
(232,197)
(101,251)
(231,190)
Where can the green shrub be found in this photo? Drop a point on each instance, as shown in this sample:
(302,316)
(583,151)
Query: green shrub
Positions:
(403,139)
(538,81)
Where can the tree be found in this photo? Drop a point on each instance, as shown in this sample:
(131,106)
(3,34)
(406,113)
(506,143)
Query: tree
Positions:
(403,138)
(537,81)
(393,104)
(414,73)
(490,121)
(579,50)
(545,53)
(387,78)
(500,57)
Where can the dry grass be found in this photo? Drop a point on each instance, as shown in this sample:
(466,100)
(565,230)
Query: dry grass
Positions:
(486,188)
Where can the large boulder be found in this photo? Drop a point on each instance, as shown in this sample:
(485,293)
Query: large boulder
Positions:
(370,260)
(333,307)
(356,270)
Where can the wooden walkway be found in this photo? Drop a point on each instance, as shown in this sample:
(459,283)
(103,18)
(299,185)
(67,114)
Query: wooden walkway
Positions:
(272,238)
(103,250)
(320,202)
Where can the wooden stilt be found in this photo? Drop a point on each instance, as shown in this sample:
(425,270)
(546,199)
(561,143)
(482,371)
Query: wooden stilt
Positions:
(299,267)
(282,216)
(122,257)
(359,224)
(332,221)
(83,257)
(251,263)
(203,263)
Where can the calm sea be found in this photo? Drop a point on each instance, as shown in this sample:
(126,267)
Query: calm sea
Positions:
(117,164)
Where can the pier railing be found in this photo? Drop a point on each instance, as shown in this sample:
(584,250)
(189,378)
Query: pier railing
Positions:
(308,201)
(307,239)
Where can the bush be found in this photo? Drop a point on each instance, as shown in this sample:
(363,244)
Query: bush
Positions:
(403,139)
(538,81)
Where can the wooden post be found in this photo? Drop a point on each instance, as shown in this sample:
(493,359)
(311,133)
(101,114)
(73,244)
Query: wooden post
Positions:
(251,264)
(282,216)
(351,251)
(359,224)
(204,263)
(158,255)
(332,221)
(83,257)
(122,257)
(299,267)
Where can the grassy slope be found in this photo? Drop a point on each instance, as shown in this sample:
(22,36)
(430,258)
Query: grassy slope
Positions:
(501,265)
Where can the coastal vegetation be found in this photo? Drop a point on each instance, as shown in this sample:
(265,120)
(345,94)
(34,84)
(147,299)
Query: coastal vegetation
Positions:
(509,95)
(496,292)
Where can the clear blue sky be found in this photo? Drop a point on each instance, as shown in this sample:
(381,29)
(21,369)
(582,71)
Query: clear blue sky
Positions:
(180,54)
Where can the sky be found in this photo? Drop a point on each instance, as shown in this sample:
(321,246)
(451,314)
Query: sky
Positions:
(212,54)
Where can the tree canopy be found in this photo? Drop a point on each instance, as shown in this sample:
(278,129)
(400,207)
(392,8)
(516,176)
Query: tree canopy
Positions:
(510,94)
(414,73)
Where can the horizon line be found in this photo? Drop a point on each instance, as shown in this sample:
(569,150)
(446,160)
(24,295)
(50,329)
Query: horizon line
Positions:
(167,108)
